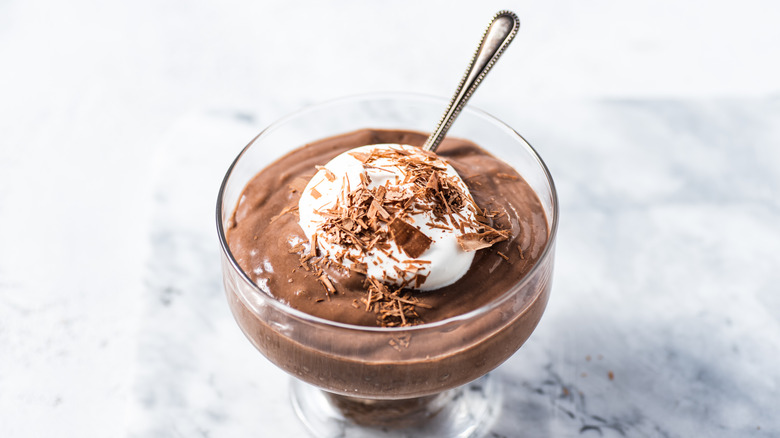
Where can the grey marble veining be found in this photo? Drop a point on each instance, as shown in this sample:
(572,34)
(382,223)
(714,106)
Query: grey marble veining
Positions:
(664,319)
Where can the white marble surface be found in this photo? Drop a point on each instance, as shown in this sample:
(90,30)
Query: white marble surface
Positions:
(660,124)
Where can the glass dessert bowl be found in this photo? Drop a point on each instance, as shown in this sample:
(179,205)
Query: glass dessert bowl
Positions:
(429,379)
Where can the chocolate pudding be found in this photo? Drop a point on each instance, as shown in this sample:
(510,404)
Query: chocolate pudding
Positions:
(263,241)
(360,355)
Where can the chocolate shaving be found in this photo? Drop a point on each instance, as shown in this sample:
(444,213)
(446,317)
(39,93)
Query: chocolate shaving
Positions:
(376,209)
(361,156)
(520,250)
(326,282)
(485,239)
(419,279)
(379,193)
(330,176)
(409,238)
(313,246)
(433,181)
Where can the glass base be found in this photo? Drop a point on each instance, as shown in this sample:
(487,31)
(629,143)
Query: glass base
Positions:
(467,411)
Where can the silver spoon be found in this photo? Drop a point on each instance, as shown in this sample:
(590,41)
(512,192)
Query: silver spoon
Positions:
(497,36)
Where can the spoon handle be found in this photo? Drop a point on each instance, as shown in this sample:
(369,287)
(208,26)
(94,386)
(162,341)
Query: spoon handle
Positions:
(496,38)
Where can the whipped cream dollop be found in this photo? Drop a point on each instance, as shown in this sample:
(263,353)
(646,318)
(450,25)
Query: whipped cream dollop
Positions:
(395,213)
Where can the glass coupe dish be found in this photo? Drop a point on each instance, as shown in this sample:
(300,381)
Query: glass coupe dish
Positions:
(426,380)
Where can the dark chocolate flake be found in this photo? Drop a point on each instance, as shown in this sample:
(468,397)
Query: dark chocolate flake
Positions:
(409,239)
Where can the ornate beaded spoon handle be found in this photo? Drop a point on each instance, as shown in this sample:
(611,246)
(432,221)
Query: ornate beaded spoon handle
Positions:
(497,36)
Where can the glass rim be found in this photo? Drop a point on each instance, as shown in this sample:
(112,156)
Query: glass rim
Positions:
(472,314)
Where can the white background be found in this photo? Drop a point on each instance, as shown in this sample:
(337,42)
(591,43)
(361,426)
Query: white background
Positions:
(88,91)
